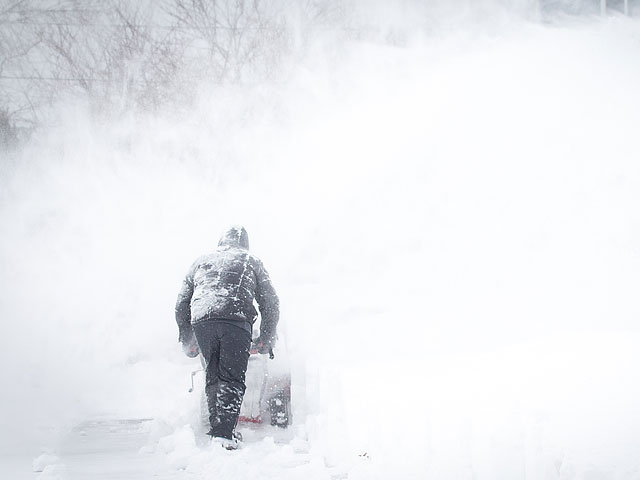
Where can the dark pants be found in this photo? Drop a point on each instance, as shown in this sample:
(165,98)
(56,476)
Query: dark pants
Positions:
(225,348)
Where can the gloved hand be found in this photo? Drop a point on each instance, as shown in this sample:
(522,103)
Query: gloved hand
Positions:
(262,347)
(190,349)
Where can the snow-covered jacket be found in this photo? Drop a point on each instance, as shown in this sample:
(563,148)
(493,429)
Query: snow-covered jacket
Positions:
(222,286)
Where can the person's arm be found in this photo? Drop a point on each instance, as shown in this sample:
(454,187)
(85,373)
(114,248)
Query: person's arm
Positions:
(269,305)
(183,313)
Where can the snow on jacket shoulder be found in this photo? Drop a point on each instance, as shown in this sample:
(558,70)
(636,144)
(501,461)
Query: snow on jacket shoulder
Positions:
(223,286)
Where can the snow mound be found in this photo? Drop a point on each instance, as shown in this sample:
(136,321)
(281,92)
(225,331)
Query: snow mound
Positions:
(262,455)
(179,447)
(45,460)
(53,472)
(264,459)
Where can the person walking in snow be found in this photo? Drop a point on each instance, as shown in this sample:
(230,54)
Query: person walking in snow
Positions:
(215,315)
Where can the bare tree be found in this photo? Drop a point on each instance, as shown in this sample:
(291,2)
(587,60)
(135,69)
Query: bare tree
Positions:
(14,44)
(113,55)
(232,37)
(124,55)
(20,36)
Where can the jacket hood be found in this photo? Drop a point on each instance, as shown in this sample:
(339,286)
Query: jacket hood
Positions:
(236,237)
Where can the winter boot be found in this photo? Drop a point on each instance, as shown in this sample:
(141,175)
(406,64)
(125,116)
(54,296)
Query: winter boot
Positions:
(232,443)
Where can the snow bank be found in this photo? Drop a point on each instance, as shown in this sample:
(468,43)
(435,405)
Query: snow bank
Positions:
(53,472)
(260,456)
(49,467)
(45,460)
(179,447)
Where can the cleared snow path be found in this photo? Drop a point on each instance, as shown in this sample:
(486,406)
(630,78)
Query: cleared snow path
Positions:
(132,449)
(110,449)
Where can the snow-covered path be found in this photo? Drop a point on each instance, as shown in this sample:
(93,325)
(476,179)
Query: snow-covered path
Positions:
(111,449)
(106,449)
(127,449)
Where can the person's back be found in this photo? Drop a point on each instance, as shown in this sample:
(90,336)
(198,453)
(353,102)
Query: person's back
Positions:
(221,286)
(216,305)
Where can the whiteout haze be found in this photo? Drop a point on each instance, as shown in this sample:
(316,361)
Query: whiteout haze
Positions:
(448,204)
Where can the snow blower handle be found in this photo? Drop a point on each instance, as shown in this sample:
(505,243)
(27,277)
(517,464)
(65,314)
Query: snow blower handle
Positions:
(193,374)
(258,346)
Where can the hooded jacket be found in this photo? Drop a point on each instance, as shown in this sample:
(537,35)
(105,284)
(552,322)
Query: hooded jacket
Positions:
(222,286)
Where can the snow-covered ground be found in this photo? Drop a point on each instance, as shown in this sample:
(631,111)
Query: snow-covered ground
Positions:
(452,225)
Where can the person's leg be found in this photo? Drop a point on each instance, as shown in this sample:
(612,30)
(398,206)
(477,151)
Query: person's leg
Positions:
(208,339)
(235,346)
